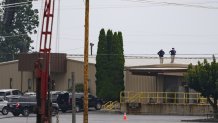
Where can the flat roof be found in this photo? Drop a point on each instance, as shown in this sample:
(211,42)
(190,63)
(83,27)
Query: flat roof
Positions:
(147,60)
(159,69)
(133,61)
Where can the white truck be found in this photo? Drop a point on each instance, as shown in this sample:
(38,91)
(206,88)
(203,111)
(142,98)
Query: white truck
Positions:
(3,106)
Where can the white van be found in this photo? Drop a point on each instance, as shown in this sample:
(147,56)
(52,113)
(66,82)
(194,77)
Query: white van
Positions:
(6,92)
(3,106)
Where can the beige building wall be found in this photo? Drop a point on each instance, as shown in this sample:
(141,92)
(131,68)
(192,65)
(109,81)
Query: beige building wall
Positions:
(22,79)
(143,83)
(160,83)
(63,81)
(10,77)
(28,81)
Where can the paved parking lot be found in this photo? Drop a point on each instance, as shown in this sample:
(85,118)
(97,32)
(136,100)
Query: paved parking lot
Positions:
(102,117)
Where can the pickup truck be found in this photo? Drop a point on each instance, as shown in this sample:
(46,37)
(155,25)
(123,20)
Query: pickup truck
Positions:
(25,105)
(64,101)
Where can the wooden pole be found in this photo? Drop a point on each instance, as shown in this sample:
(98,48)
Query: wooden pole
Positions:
(73,99)
(86,48)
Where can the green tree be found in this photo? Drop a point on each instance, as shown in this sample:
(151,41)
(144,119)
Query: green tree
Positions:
(101,62)
(109,65)
(18,23)
(117,66)
(204,79)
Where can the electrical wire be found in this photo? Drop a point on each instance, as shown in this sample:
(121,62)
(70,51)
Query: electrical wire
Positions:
(73,49)
(18,3)
(138,56)
(129,6)
(15,4)
(40,23)
(173,3)
(139,1)
(58,27)
(7,36)
(126,56)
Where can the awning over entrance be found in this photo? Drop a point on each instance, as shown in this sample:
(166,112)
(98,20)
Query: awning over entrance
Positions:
(162,69)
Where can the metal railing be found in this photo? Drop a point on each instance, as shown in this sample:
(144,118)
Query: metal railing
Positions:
(161,97)
(111,106)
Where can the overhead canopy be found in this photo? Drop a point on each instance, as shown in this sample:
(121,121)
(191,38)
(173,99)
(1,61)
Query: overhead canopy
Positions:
(160,69)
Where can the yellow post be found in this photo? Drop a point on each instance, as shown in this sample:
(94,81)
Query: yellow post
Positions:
(184,98)
(166,98)
(86,48)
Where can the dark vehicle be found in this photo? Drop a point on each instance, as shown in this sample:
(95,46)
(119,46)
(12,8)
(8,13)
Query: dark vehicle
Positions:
(65,101)
(54,95)
(25,105)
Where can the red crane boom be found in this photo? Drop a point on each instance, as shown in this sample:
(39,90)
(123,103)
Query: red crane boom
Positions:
(42,64)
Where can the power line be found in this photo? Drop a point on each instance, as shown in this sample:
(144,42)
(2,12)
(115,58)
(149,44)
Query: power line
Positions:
(137,56)
(205,2)
(6,36)
(58,27)
(107,7)
(40,22)
(173,3)
(132,6)
(15,4)
(155,3)
(73,49)
(175,35)
(140,57)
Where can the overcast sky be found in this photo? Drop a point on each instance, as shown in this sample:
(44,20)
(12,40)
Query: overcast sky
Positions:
(190,26)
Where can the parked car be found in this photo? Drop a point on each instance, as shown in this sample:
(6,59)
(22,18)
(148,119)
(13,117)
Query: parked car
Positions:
(3,106)
(27,104)
(7,92)
(54,95)
(29,93)
(65,101)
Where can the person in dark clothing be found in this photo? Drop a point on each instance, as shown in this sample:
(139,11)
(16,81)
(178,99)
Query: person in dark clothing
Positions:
(161,55)
(172,53)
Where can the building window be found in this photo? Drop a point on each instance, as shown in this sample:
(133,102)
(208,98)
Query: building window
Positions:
(90,83)
(52,85)
(29,84)
(11,83)
(69,83)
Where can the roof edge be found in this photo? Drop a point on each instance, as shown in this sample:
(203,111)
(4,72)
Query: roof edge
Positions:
(8,62)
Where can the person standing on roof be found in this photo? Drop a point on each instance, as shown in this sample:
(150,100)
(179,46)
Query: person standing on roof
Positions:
(161,55)
(172,53)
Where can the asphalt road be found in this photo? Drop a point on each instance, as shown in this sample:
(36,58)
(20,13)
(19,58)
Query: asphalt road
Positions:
(102,117)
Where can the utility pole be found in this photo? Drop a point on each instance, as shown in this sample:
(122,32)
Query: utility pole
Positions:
(86,53)
(91,45)
(73,99)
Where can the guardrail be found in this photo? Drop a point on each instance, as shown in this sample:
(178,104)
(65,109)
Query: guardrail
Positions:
(111,106)
(161,97)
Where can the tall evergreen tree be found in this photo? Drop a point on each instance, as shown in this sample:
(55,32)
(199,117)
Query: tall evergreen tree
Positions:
(18,23)
(121,62)
(109,78)
(101,62)
(109,37)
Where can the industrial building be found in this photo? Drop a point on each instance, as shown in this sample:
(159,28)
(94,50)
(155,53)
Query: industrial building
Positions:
(150,87)
(19,74)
